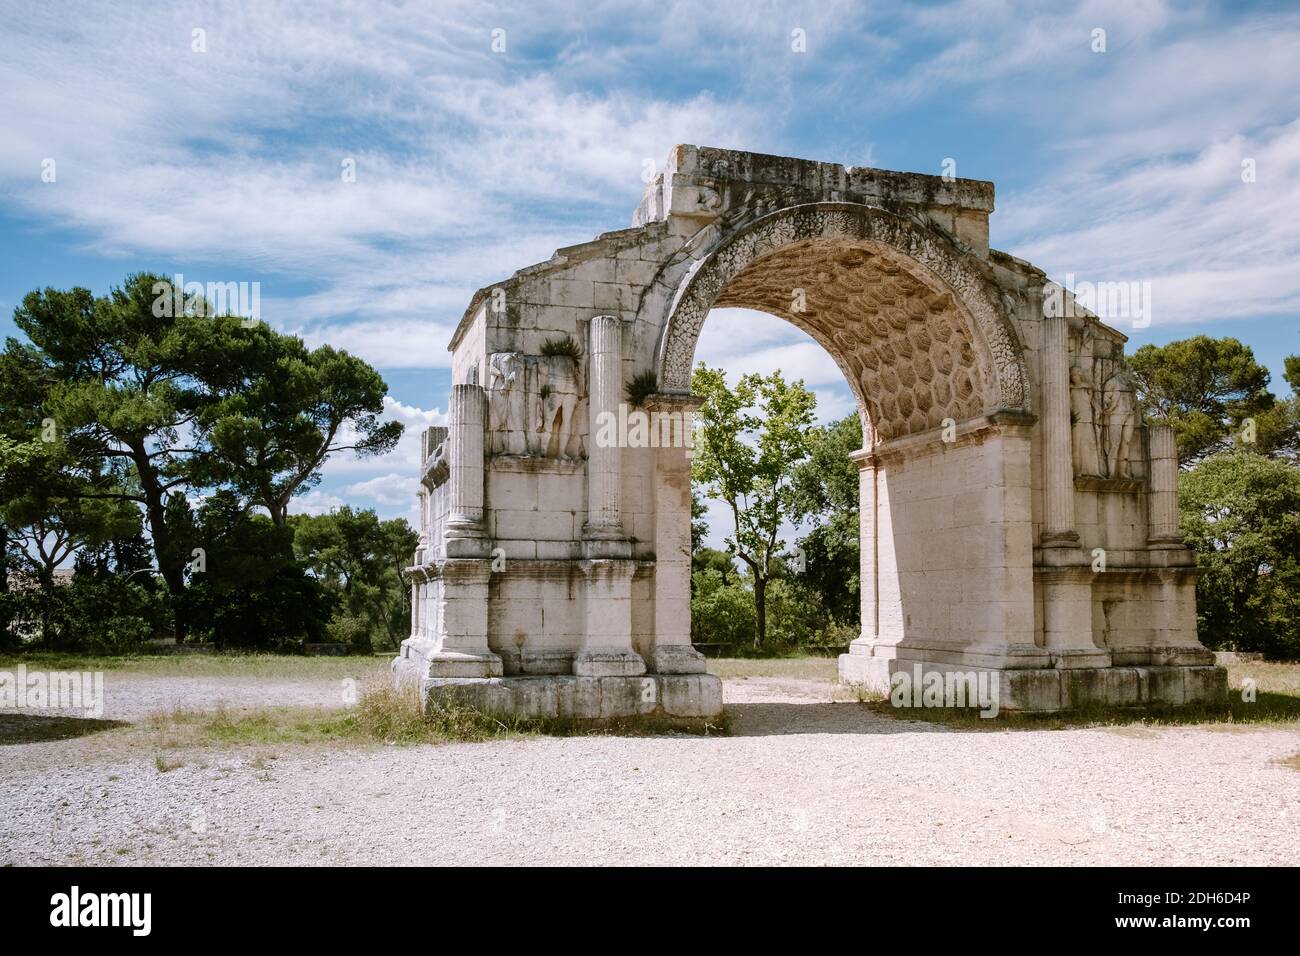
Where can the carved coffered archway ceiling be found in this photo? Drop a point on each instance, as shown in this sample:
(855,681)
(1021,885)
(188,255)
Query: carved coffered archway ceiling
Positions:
(908,324)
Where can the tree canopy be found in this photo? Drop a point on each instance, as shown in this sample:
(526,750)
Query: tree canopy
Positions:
(749,441)
(134,408)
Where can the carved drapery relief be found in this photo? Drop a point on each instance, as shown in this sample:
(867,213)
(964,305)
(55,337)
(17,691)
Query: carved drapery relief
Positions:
(1116,413)
(506,403)
(990,370)
(536,406)
(1103,409)
(1083,430)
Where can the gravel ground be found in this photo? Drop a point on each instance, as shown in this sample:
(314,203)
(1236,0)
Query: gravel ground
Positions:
(802,779)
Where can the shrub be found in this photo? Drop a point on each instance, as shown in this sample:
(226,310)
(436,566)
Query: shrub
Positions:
(721,613)
(642,386)
(562,345)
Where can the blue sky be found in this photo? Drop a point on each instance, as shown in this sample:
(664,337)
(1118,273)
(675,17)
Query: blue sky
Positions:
(1122,165)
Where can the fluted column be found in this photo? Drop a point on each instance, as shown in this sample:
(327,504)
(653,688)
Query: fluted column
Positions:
(1163,508)
(465,457)
(1058,464)
(605,368)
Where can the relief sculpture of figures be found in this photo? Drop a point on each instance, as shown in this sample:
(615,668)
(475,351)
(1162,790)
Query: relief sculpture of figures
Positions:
(1083,430)
(533,405)
(554,403)
(591,617)
(1114,412)
(506,387)
(1117,400)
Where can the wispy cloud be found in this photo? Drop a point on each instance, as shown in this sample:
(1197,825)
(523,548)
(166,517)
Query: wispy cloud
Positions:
(227,164)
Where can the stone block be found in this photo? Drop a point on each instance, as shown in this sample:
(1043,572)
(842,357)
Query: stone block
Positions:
(690,695)
(1205,685)
(677,659)
(1031,691)
(1162,685)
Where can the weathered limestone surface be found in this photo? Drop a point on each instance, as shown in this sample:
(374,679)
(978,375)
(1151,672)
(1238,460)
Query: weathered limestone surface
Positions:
(1017,517)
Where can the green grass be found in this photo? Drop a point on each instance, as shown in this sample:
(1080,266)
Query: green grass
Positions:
(1275,678)
(1268,710)
(562,345)
(825,669)
(640,387)
(277,666)
(387,716)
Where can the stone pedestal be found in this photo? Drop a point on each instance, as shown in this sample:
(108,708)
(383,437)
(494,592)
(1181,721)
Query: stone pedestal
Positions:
(607,644)
(673,652)
(458,645)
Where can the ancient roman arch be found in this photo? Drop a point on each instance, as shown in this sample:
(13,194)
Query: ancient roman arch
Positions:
(1017,518)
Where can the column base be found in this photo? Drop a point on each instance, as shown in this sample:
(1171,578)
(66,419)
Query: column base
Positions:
(421,659)
(677,659)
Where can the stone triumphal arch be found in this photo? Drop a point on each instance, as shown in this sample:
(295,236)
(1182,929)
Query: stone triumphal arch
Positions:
(1017,518)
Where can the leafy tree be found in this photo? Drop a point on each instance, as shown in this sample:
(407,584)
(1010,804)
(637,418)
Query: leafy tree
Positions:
(49,529)
(249,591)
(113,602)
(722,610)
(17,456)
(699,527)
(722,562)
(141,398)
(121,382)
(1240,512)
(749,441)
(1205,388)
(271,435)
(362,560)
(826,491)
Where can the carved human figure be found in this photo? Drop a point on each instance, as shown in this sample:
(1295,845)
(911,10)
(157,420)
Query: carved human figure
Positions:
(1083,433)
(554,404)
(577,447)
(1119,412)
(506,401)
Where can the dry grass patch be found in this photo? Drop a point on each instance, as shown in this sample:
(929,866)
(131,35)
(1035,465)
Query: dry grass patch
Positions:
(824,669)
(383,716)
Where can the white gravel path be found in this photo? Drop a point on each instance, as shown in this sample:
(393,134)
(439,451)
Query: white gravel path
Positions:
(803,779)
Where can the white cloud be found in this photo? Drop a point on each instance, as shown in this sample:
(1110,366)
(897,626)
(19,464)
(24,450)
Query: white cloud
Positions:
(386,344)
(315,502)
(392,490)
(741,341)
(1212,246)
(467,163)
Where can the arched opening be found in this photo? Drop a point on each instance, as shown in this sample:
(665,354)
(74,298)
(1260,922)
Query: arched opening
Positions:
(944,476)
(802,515)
